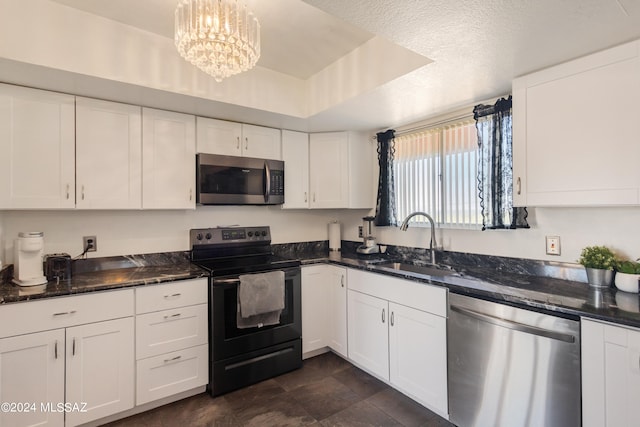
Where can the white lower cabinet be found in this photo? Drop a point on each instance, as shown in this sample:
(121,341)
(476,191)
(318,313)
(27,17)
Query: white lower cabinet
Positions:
(416,364)
(172,352)
(397,331)
(32,371)
(610,374)
(71,358)
(324,308)
(99,369)
(369,333)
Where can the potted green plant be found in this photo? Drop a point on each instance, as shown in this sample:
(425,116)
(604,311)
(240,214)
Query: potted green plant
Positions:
(599,263)
(627,275)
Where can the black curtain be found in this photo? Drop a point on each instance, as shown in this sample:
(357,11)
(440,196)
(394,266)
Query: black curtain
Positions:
(495,167)
(385,205)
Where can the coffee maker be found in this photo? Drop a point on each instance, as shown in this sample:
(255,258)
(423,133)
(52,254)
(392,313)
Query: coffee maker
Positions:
(28,253)
(369,245)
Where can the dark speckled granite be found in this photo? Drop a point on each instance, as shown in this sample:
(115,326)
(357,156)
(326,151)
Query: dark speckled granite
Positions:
(97,274)
(558,288)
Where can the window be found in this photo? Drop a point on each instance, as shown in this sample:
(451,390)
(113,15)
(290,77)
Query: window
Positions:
(436,172)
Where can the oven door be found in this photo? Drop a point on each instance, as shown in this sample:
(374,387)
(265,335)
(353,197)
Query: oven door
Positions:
(228,340)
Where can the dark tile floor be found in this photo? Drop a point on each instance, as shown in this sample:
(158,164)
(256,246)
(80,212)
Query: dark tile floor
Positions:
(327,391)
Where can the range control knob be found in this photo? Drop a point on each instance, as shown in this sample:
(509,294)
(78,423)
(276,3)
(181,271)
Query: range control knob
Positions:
(199,236)
(208,236)
(250,233)
(264,233)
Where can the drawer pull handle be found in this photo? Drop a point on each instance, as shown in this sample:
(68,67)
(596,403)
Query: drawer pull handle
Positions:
(64,313)
(73,347)
(383,315)
(55,350)
(173,359)
(392,318)
(173,316)
(173,295)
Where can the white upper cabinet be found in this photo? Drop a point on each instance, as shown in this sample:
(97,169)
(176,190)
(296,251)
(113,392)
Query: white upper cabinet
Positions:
(261,142)
(108,155)
(295,153)
(575,137)
(340,170)
(168,160)
(37,145)
(237,139)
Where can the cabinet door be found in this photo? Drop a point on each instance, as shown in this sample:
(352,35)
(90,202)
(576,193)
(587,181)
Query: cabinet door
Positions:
(315,298)
(37,147)
(218,137)
(368,333)
(100,365)
(295,153)
(32,370)
(574,132)
(168,160)
(261,142)
(610,374)
(337,334)
(418,356)
(328,170)
(108,155)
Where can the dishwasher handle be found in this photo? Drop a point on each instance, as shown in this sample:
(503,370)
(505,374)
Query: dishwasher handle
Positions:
(516,326)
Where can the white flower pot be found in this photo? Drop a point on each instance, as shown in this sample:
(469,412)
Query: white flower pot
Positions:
(599,278)
(627,282)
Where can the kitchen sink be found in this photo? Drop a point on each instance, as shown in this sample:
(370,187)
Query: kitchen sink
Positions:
(416,270)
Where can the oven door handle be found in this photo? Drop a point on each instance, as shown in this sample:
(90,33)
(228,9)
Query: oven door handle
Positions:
(226,281)
(267,181)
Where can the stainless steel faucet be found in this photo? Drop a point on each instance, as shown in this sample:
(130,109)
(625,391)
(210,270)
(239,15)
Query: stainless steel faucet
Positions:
(432,244)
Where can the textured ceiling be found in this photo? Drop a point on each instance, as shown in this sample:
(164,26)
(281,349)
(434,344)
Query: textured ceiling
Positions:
(477,47)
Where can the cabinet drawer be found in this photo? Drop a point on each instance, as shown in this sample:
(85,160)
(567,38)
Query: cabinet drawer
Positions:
(34,316)
(171,373)
(171,295)
(170,330)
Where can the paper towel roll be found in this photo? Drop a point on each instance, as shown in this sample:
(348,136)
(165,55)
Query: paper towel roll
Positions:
(334,236)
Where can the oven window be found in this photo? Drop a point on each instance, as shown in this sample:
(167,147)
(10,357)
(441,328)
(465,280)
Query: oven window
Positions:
(231,180)
(231,308)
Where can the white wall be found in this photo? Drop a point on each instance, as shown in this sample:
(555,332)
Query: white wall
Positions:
(616,227)
(137,232)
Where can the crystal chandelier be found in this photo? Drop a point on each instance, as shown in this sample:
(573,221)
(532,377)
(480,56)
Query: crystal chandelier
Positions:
(221,37)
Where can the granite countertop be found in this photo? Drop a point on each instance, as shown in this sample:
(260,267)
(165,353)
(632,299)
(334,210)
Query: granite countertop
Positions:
(554,295)
(106,274)
(512,282)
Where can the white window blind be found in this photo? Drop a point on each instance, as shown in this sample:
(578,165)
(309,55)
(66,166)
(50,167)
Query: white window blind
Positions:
(436,172)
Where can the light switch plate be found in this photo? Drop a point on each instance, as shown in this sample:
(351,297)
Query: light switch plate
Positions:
(553,245)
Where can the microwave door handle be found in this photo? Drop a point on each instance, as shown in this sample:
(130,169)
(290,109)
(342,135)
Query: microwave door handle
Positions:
(267,181)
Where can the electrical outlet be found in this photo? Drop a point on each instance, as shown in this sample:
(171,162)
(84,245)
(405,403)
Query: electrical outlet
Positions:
(90,243)
(553,245)
(360,231)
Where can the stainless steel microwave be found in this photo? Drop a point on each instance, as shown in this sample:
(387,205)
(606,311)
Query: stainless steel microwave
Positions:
(231,180)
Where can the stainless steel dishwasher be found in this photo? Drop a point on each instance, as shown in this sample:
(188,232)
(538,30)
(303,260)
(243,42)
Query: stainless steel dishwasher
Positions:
(511,367)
